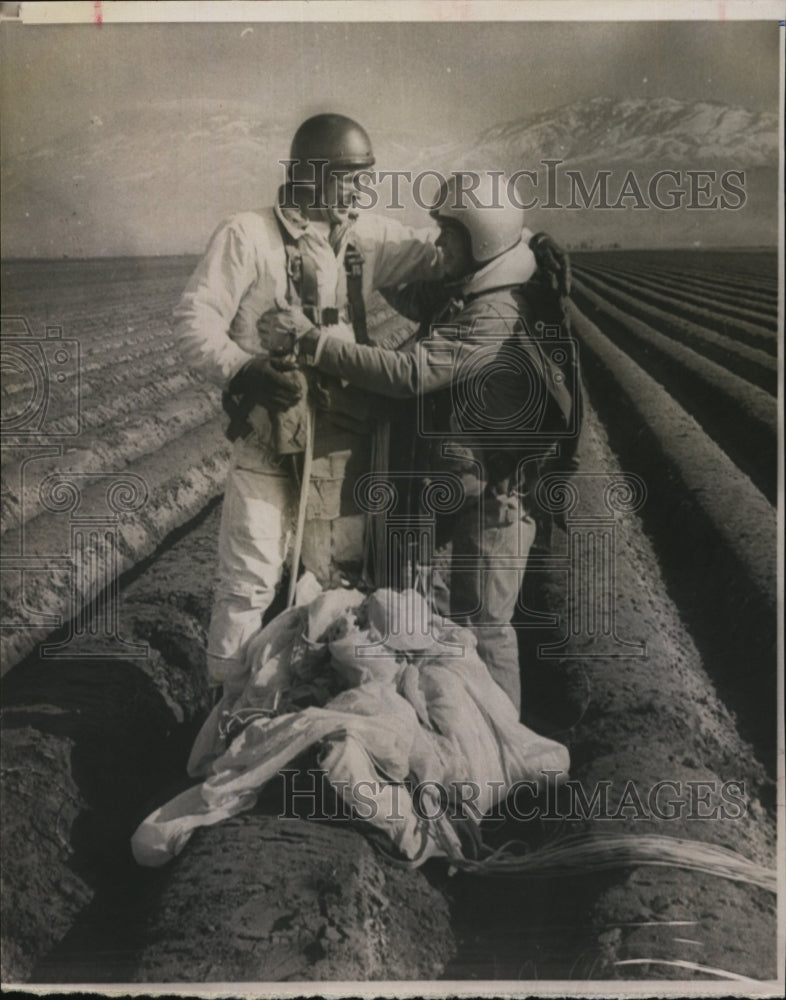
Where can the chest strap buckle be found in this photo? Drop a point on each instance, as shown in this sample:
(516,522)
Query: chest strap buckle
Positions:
(321,317)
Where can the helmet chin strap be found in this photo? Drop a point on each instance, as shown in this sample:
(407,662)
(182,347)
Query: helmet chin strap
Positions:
(478,265)
(340,220)
(341,215)
(332,214)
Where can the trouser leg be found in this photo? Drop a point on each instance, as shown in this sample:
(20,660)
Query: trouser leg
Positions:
(489,556)
(333,549)
(260,507)
(253,542)
(333,538)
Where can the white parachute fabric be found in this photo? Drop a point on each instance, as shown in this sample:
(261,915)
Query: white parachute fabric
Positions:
(395,697)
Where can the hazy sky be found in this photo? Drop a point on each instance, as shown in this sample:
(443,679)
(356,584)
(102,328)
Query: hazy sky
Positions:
(444,81)
(111,135)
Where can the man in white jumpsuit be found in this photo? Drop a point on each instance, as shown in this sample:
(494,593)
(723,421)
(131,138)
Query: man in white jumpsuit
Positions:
(256,261)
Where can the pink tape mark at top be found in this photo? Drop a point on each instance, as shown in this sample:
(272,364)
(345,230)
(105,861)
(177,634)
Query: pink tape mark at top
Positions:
(98,15)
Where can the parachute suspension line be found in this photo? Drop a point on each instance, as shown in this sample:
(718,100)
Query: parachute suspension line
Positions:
(375,568)
(305,479)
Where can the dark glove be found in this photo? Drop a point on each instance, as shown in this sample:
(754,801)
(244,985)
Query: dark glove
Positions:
(276,388)
(553,261)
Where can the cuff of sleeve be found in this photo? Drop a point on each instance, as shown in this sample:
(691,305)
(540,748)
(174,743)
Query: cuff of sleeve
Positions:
(323,336)
(234,359)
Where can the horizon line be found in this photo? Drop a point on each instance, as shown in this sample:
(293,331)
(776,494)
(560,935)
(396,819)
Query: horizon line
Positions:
(724,247)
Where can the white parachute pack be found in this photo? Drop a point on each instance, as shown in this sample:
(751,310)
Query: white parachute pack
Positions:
(395,698)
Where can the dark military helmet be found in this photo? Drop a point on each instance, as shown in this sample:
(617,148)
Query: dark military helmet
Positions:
(335,138)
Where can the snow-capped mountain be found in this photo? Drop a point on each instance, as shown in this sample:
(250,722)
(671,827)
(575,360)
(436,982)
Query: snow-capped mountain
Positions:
(637,137)
(157,178)
(608,132)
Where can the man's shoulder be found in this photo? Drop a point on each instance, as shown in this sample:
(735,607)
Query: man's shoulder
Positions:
(505,301)
(370,225)
(377,227)
(251,222)
(245,236)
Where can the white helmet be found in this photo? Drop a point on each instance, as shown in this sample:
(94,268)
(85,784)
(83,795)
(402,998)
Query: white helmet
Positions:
(479,202)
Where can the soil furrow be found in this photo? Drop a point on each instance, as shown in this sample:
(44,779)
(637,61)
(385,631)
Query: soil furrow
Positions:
(715,532)
(748,363)
(763,311)
(755,271)
(179,478)
(679,281)
(128,438)
(109,359)
(98,409)
(708,311)
(731,410)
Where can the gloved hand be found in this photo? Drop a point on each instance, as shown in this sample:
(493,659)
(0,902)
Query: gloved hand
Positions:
(306,346)
(553,261)
(280,329)
(276,388)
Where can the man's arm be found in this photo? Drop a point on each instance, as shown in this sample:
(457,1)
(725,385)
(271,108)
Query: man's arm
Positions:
(436,363)
(209,304)
(398,254)
(417,299)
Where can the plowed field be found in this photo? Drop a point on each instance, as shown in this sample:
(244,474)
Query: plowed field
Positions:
(113,464)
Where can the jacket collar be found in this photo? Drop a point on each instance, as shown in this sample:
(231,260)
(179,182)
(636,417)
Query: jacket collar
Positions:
(295,221)
(513,267)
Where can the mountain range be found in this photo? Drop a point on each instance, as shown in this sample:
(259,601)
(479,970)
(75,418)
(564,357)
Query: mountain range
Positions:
(157,178)
(604,131)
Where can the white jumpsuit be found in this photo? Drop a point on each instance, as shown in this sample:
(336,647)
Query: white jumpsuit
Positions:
(242,275)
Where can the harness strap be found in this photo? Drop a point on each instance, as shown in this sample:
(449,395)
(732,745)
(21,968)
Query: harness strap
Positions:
(302,281)
(353,264)
(309,289)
